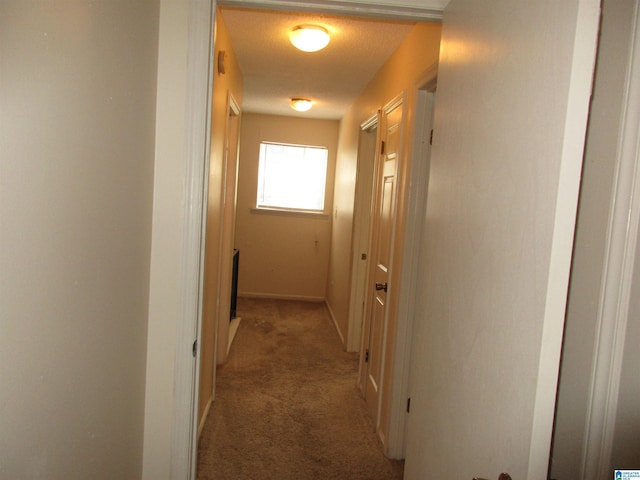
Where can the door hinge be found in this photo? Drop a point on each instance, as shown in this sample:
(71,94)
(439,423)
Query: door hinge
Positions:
(431,137)
(194,348)
(366,356)
(382,148)
(363,256)
(409,405)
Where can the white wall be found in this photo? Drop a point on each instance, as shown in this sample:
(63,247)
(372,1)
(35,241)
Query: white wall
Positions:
(510,114)
(77,96)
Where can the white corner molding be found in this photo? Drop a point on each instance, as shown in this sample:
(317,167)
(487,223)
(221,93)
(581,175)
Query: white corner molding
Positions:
(411,10)
(624,219)
(576,119)
(197,139)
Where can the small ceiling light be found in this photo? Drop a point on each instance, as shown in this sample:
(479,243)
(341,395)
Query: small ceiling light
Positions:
(301,104)
(309,38)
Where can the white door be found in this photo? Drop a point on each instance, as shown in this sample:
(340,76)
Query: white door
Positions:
(379,265)
(514,83)
(367,154)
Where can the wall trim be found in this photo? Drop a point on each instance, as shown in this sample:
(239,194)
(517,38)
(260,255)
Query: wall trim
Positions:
(580,87)
(416,208)
(232,109)
(371,122)
(277,296)
(360,230)
(617,278)
(290,213)
(197,123)
(335,322)
(425,11)
(205,415)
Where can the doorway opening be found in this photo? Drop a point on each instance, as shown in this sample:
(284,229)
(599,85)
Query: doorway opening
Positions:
(218,329)
(353,340)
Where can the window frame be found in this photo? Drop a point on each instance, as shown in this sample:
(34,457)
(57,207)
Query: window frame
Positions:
(282,210)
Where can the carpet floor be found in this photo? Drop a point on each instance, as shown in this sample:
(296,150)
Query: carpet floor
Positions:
(287,406)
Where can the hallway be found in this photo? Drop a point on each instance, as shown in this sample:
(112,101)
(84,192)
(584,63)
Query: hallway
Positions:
(286,402)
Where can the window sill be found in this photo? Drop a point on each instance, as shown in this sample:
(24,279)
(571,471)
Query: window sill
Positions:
(290,213)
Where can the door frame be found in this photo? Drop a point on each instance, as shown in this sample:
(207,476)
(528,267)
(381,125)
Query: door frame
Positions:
(621,251)
(361,229)
(197,127)
(233,110)
(222,327)
(197,147)
(421,115)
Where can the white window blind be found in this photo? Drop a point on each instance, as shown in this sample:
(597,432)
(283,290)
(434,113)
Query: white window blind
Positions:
(292,177)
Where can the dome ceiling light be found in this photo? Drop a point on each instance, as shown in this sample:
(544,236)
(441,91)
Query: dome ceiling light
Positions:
(309,38)
(301,104)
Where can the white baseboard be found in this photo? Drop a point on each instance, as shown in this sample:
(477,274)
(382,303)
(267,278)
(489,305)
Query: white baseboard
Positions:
(276,296)
(233,329)
(335,323)
(204,417)
(383,440)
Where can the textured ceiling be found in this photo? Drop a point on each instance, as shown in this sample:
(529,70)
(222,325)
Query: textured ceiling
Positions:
(275,71)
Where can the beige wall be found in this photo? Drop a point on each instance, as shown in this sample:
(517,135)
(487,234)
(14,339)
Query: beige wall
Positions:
(418,52)
(282,255)
(78,99)
(228,83)
(591,237)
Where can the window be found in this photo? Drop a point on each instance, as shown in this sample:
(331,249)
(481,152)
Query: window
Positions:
(292,177)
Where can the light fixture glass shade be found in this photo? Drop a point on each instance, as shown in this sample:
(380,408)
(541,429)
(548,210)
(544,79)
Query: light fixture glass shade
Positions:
(309,38)
(301,104)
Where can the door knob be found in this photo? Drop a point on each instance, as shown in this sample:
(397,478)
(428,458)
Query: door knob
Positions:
(381,286)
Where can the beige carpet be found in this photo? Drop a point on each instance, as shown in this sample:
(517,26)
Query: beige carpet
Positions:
(286,403)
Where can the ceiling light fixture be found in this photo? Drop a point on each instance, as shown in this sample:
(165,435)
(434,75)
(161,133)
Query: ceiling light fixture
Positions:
(309,38)
(300,104)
